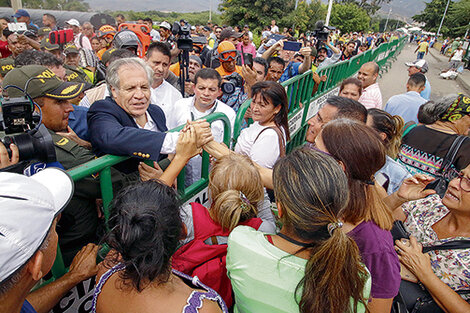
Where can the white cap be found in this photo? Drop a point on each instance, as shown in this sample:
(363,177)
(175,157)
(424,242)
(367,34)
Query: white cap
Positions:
(28,206)
(165,25)
(73,22)
(421,64)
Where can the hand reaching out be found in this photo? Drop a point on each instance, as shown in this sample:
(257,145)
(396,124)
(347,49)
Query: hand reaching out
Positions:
(147,172)
(84,263)
(412,188)
(187,146)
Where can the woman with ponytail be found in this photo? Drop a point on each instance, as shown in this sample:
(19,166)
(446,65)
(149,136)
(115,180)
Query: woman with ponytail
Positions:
(367,219)
(390,130)
(310,265)
(235,189)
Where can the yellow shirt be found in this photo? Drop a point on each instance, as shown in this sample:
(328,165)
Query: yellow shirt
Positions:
(423,46)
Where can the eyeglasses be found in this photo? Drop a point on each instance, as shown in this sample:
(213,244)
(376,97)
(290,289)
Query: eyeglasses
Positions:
(464,181)
(228,55)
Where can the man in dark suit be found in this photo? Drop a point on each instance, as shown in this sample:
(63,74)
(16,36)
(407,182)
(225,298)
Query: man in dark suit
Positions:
(126,123)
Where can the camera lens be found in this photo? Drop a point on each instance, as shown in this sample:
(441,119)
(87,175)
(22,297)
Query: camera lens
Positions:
(38,146)
(228,87)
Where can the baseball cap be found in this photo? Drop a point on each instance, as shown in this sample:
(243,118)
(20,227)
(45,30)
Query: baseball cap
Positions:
(44,84)
(29,207)
(107,55)
(165,25)
(21,13)
(70,48)
(229,33)
(47,45)
(73,22)
(44,31)
(421,64)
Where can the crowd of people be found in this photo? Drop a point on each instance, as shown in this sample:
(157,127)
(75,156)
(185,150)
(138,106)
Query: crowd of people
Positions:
(305,231)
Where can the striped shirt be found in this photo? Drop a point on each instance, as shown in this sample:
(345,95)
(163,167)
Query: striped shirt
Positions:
(371,97)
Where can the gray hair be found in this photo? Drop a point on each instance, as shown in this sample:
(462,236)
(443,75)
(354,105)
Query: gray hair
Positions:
(432,111)
(112,73)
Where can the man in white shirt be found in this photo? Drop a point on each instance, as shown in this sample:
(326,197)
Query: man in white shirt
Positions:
(206,91)
(154,34)
(274,28)
(80,40)
(163,93)
(371,96)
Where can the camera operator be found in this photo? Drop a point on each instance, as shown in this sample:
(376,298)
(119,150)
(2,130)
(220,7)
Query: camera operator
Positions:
(322,58)
(232,88)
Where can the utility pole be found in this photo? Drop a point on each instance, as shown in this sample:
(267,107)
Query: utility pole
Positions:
(16,5)
(328,14)
(210,11)
(443,17)
(388,16)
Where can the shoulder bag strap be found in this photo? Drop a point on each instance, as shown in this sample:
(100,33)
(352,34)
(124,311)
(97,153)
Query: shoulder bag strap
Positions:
(451,245)
(452,153)
(280,136)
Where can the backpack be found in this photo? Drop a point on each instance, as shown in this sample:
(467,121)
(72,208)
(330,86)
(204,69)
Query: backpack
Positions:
(207,262)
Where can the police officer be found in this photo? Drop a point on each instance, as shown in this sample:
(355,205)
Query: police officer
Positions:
(79,222)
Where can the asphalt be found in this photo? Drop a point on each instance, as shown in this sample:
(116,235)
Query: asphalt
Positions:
(394,81)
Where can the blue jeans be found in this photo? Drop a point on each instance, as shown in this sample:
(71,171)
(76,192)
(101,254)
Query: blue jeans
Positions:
(420,55)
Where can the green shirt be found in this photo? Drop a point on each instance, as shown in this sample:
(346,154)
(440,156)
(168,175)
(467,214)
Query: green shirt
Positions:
(264,277)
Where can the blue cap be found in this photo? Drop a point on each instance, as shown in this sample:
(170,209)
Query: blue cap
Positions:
(20,13)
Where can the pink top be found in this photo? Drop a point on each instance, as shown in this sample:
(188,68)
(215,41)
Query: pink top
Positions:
(371,97)
(247,49)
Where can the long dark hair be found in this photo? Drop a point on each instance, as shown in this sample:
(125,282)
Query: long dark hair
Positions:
(145,228)
(312,189)
(362,153)
(276,94)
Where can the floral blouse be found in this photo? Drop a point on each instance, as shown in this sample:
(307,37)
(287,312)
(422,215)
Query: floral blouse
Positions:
(451,266)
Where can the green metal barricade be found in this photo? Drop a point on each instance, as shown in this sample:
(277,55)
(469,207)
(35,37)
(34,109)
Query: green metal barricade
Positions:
(103,166)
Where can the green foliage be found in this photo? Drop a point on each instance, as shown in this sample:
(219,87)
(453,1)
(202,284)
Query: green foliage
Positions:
(370,6)
(432,15)
(349,17)
(256,14)
(306,15)
(455,22)
(196,18)
(66,5)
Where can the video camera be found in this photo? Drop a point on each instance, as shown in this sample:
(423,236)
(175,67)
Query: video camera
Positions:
(183,31)
(27,132)
(321,31)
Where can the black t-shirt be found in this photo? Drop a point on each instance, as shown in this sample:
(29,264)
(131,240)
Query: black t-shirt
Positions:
(423,150)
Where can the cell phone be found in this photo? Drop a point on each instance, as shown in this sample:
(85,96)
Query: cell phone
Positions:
(292,45)
(248,59)
(17,27)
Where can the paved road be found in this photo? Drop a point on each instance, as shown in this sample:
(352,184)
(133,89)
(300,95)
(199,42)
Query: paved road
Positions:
(394,81)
